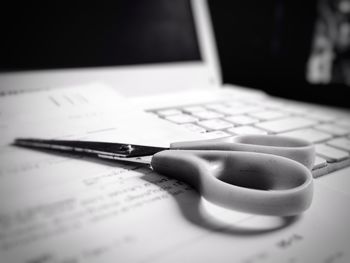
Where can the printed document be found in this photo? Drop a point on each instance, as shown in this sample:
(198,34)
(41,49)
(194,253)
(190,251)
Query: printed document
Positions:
(59,208)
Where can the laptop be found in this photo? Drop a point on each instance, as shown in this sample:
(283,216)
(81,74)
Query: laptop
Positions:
(174,75)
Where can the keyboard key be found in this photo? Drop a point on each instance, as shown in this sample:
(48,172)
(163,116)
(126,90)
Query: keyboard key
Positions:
(181,118)
(236,104)
(239,110)
(216,106)
(344,123)
(207,115)
(242,120)
(287,124)
(268,115)
(321,116)
(319,162)
(246,130)
(216,134)
(168,112)
(295,109)
(331,154)
(192,109)
(193,127)
(332,129)
(310,135)
(340,143)
(215,124)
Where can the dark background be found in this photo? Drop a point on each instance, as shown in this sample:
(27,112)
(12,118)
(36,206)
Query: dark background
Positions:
(71,35)
(266,45)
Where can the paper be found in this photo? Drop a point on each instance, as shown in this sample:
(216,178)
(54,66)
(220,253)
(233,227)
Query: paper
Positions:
(56,208)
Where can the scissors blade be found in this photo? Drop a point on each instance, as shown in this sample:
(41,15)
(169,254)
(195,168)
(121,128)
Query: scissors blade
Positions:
(106,150)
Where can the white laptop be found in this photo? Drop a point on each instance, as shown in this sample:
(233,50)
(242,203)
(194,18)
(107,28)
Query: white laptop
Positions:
(184,88)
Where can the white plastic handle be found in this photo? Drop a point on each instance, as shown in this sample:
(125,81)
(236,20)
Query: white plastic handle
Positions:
(250,182)
(296,149)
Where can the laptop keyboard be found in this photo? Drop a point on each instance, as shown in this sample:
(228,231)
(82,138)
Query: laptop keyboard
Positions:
(328,129)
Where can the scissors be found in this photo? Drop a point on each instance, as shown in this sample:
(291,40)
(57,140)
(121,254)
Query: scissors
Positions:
(259,174)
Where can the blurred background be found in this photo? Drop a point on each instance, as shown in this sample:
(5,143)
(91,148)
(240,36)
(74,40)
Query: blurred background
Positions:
(296,49)
(299,50)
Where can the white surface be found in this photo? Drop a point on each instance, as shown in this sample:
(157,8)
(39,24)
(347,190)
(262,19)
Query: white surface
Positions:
(286,124)
(310,135)
(338,180)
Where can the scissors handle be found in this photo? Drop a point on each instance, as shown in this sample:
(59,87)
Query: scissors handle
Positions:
(296,149)
(250,182)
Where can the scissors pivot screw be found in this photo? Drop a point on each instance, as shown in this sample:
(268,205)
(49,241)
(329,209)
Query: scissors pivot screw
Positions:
(126,148)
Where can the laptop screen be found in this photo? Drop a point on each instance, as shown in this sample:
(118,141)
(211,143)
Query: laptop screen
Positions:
(128,32)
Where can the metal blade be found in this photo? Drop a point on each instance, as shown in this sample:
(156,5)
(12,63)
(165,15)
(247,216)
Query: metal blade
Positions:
(116,151)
